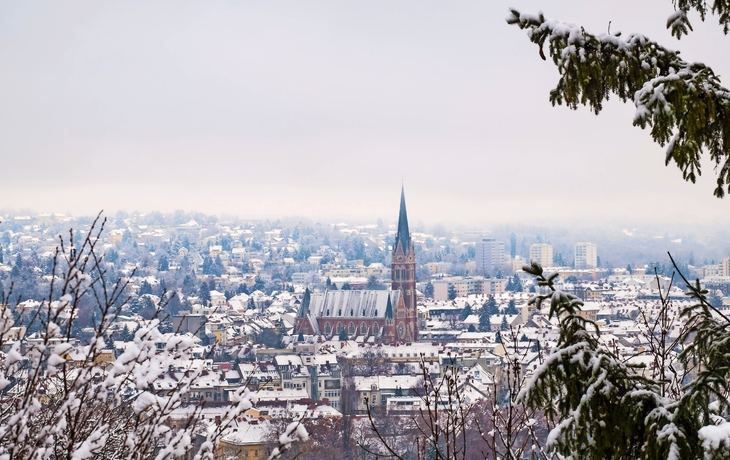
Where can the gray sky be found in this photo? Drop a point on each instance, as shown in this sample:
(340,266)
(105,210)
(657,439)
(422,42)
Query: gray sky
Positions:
(320,109)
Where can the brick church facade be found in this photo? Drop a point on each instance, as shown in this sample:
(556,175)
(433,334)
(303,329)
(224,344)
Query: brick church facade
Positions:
(375,316)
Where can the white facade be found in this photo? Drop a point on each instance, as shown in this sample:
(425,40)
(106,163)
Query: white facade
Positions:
(490,254)
(586,255)
(542,254)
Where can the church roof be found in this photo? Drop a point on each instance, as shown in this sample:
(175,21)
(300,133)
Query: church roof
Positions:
(356,304)
(403,236)
(304,308)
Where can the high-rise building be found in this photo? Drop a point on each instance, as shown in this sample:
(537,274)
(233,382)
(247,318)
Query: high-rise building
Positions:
(586,255)
(489,255)
(542,253)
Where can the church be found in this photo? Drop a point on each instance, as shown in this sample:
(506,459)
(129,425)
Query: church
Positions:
(376,316)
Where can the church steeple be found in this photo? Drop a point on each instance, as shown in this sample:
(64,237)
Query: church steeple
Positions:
(403,235)
(403,278)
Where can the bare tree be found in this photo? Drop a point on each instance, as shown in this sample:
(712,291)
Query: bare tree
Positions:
(95,405)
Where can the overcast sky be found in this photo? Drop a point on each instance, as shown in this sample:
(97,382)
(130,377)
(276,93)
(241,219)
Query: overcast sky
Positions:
(321,109)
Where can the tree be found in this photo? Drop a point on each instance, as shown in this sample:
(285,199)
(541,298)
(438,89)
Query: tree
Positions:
(342,335)
(258,284)
(504,326)
(17,266)
(346,286)
(684,104)
(491,305)
(89,408)
(428,291)
(452,292)
(516,283)
(374,283)
(485,324)
(511,308)
(204,293)
(593,397)
(466,312)
(146,288)
(207,265)
(218,269)
(163,265)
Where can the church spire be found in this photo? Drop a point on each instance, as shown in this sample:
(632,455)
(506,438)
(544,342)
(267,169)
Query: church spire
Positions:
(403,235)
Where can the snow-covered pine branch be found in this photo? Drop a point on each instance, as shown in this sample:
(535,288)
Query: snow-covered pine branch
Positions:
(720,8)
(684,104)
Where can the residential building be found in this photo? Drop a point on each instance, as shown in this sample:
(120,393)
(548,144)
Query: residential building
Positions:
(489,254)
(586,256)
(542,253)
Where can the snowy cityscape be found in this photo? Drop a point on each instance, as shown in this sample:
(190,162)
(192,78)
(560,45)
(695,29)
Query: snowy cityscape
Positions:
(326,324)
(402,230)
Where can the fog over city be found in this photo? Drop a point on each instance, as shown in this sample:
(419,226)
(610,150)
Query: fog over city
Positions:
(323,109)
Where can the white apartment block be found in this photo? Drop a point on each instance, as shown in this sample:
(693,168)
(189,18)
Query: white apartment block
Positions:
(542,253)
(490,254)
(586,255)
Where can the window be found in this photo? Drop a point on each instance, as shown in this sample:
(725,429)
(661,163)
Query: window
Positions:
(375,328)
(363,329)
(327,328)
(351,329)
(339,328)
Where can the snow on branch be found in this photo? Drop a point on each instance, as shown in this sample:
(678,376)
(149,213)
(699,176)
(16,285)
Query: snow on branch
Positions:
(683,104)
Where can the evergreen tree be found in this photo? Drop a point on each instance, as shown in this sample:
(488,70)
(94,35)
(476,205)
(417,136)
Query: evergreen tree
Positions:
(346,286)
(516,284)
(342,336)
(163,265)
(251,305)
(242,289)
(428,291)
(683,103)
(373,283)
(204,293)
(207,265)
(2,260)
(485,324)
(17,267)
(452,292)
(258,285)
(466,312)
(491,305)
(511,307)
(504,326)
(146,288)
(218,269)
(471,328)
(188,283)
